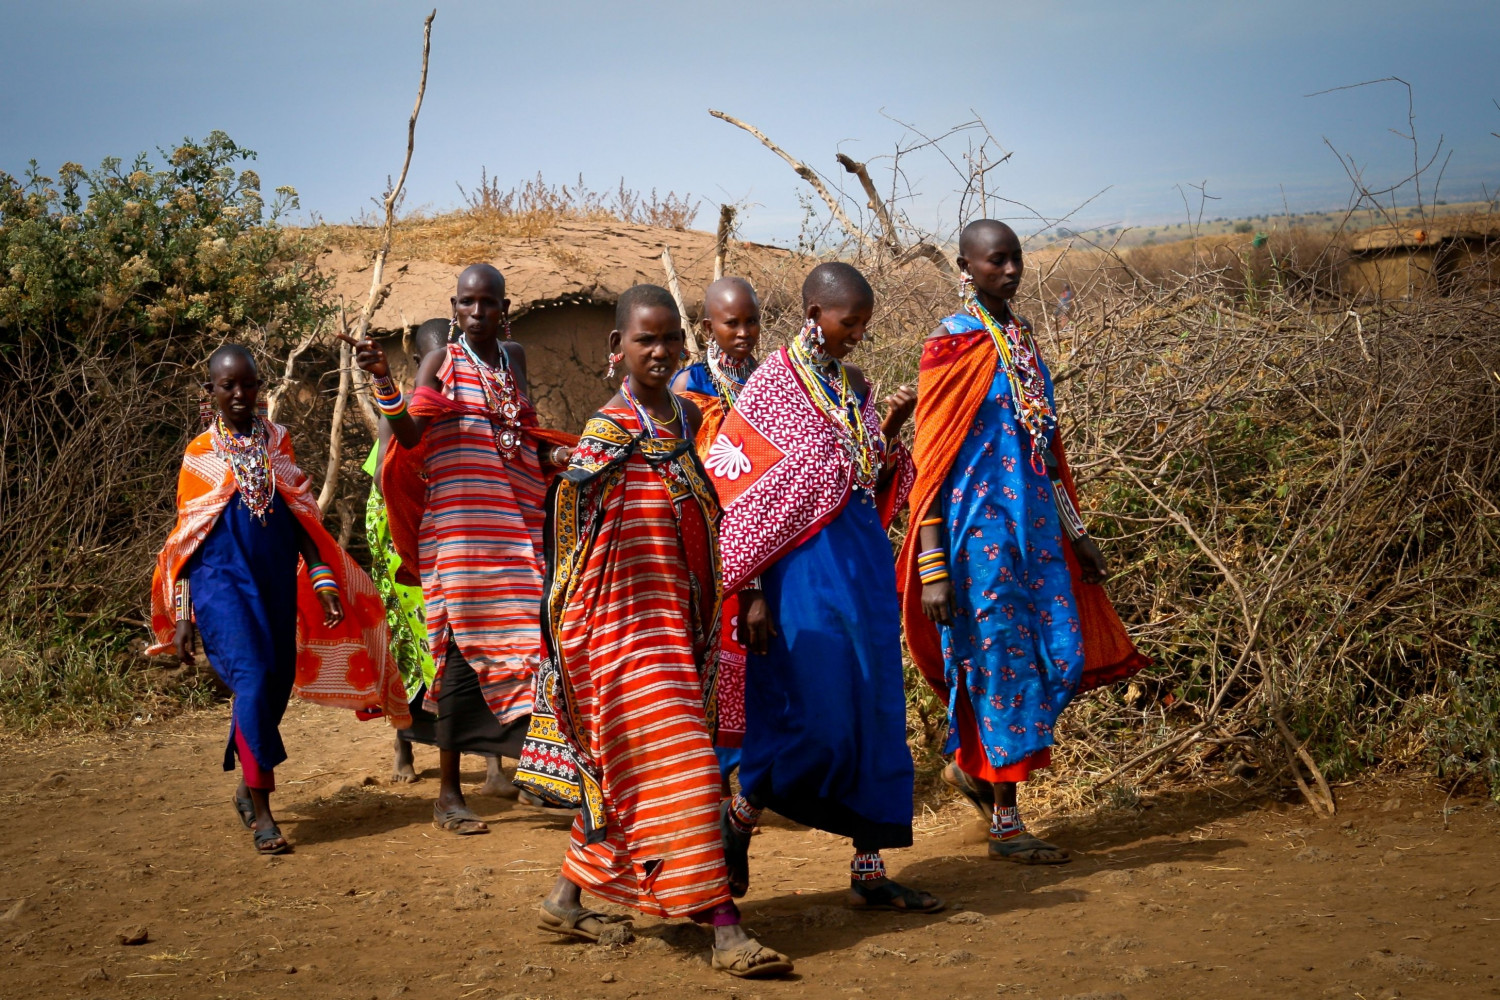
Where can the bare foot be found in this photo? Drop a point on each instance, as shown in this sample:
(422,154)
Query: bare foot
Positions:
(496,784)
(404,771)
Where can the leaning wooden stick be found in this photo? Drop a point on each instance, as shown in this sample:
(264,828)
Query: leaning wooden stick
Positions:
(675,287)
(362,327)
(721,240)
(804,171)
(877,204)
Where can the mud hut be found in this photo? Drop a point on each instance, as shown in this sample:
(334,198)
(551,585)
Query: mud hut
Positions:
(563,284)
(1392,262)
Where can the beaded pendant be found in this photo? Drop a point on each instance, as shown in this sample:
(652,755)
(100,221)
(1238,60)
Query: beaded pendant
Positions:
(250,460)
(503,400)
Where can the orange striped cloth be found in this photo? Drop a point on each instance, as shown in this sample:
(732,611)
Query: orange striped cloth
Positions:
(346,666)
(956,372)
(631,619)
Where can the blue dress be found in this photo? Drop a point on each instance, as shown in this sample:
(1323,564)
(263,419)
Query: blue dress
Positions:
(825,709)
(1015,649)
(244,586)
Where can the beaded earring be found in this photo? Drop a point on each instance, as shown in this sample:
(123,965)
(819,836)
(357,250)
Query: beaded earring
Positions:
(505,327)
(205,408)
(453,330)
(965,286)
(263,408)
(612,359)
(812,334)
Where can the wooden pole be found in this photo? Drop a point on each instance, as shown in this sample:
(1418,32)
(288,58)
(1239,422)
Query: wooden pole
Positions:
(675,287)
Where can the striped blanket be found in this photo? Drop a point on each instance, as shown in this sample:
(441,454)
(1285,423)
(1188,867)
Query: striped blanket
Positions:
(631,618)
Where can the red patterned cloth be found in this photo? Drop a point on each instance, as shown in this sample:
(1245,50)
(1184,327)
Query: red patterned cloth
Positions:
(631,615)
(346,666)
(781,474)
(732,652)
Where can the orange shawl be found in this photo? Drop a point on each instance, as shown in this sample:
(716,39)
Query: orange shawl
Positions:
(957,370)
(346,666)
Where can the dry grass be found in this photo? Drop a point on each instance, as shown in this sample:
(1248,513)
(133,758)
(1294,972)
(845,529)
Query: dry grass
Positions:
(531,209)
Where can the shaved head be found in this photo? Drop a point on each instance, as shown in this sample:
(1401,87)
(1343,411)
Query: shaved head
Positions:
(728,290)
(487,273)
(641,297)
(982,235)
(431,336)
(228,353)
(833,282)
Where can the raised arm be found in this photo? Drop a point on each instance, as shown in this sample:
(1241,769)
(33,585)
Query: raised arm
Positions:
(389,398)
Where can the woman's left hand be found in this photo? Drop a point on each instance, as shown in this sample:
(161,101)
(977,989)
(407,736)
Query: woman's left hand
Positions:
(1090,559)
(333,608)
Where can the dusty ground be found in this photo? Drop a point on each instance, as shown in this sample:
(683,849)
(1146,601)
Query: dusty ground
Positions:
(1205,896)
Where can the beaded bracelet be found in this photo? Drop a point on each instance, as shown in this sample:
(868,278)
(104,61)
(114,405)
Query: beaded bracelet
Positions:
(932,566)
(322,577)
(184,601)
(1072,521)
(388,397)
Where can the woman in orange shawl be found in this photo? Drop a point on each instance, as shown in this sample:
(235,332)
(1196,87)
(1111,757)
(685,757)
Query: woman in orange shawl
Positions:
(245,520)
(731,318)
(1000,558)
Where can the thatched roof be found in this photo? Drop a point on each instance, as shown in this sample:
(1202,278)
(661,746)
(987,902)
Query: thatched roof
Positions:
(571,262)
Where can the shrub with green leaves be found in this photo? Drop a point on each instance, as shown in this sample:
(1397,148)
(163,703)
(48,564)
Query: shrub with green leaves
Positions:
(115,284)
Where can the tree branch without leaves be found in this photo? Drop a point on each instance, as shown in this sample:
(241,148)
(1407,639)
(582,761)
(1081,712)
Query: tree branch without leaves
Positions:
(362,330)
(804,171)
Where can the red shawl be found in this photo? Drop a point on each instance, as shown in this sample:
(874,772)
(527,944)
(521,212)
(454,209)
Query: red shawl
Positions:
(957,370)
(781,474)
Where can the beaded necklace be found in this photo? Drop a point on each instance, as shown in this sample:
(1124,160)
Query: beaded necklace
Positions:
(648,422)
(501,397)
(864,450)
(728,375)
(250,460)
(1018,356)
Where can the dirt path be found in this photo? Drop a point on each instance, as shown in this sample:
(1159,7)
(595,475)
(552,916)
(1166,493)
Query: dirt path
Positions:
(1197,897)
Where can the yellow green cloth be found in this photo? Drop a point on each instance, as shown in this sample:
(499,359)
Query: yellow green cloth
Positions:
(404,608)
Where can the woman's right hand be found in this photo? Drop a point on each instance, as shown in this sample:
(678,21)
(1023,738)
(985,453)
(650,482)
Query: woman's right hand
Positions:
(756,627)
(368,355)
(937,601)
(186,641)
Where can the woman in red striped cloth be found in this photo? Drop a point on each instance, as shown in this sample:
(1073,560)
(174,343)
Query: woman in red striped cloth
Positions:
(630,619)
(463,492)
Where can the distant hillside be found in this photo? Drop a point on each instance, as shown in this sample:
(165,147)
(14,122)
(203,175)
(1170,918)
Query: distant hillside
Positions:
(1135,236)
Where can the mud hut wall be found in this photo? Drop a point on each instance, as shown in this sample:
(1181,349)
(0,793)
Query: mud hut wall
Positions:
(567,352)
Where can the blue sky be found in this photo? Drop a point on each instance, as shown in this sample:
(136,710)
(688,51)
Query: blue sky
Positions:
(1137,97)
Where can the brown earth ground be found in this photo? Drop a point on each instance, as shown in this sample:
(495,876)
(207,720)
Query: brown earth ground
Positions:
(1216,893)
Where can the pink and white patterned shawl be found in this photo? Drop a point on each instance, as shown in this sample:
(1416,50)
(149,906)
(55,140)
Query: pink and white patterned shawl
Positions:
(781,474)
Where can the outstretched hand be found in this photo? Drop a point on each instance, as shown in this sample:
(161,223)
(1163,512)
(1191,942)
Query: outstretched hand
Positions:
(898,409)
(368,355)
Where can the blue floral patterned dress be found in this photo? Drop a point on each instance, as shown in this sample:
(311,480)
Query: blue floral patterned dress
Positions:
(1015,649)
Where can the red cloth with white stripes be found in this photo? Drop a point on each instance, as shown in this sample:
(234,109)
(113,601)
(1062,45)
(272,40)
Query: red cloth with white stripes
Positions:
(632,614)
